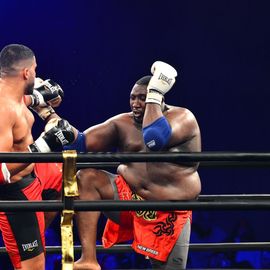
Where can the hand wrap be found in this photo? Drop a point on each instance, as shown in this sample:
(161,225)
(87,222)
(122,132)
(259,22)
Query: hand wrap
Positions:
(4,174)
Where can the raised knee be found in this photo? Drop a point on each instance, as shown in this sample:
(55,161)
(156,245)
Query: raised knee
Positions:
(86,177)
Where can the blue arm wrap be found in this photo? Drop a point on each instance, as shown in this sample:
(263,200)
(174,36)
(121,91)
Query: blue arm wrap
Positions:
(78,145)
(157,135)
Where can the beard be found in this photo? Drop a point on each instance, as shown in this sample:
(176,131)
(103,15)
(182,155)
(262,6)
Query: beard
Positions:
(29,89)
(138,119)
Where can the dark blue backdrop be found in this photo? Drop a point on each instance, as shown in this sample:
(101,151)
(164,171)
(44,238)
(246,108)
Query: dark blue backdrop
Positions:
(97,49)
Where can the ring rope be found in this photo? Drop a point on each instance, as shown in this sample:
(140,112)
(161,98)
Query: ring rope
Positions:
(227,246)
(110,205)
(139,157)
(203,164)
(69,158)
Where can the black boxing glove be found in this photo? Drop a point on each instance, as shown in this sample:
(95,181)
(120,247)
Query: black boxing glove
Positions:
(45,92)
(54,139)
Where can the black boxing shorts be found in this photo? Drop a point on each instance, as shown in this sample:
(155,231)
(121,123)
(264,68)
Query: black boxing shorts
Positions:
(23,232)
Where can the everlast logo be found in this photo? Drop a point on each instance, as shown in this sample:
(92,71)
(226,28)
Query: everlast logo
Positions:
(50,87)
(30,246)
(59,134)
(53,89)
(165,79)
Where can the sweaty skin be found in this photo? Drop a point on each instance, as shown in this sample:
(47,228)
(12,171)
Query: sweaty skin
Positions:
(15,126)
(16,121)
(162,180)
(152,181)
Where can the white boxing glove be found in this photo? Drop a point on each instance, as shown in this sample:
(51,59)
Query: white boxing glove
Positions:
(161,82)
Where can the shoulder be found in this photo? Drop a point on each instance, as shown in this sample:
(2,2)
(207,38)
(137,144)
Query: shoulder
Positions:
(112,124)
(9,114)
(182,120)
(120,118)
(185,129)
(8,107)
(180,114)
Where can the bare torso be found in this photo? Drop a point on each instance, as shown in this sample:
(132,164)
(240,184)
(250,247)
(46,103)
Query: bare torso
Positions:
(159,181)
(16,136)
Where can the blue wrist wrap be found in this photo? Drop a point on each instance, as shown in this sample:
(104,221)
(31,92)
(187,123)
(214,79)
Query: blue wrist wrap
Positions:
(78,145)
(157,135)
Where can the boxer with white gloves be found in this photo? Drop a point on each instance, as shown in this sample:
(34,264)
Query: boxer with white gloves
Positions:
(156,128)
(151,125)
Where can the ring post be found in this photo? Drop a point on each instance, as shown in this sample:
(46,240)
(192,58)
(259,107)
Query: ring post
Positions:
(70,191)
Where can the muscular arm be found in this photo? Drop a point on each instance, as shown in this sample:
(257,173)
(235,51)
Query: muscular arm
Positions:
(152,113)
(101,137)
(157,130)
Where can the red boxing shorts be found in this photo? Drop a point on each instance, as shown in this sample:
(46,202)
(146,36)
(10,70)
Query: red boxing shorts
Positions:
(154,233)
(50,176)
(23,232)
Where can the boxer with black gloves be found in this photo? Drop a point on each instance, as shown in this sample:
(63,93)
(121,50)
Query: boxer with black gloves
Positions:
(23,232)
